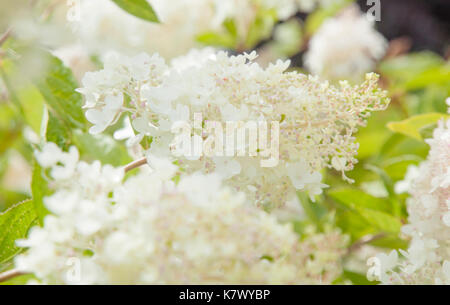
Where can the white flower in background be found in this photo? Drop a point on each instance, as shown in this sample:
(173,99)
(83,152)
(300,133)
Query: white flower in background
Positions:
(149,230)
(427,259)
(345,47)
(104,26)
(403,186)
(316,120)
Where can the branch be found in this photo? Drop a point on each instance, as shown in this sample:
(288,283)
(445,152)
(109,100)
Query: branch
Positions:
(365,241)
(5,36)
(7,275)
(135,164)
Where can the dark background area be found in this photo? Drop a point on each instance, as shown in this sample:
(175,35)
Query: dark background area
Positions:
(425,22)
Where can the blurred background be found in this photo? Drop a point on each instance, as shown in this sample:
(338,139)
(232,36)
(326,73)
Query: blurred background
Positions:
(409,47)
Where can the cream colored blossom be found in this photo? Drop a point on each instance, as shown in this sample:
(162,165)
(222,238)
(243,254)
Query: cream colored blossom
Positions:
(345,47)
(103,26)
(316,120)
(149,230)
(428,257)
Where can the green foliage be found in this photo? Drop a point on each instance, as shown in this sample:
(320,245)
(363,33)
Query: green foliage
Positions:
(315,19)
(261,28)
(101,147)
(39,189)
(351,197)
(228,38)
(57,132)
(57,85)
(357,278)
(361,214)
(139,8)
(414,125)
(416,70)
(14,224)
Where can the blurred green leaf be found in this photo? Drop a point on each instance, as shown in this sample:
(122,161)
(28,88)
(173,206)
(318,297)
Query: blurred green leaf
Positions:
(365,213)
(19,280)
(261,28)
(226,39)
(217,39)
(102,148)
(383,221)
(14,224)
(39,190)
(351,197)
(316,18)
(139,8)
(10,197)
(57,132)
(391,241)
(411,126)
(58,85)
(313,210)
(357,278)
(437,75)
(33,105)
(396,167)
(353,224)
(404,69)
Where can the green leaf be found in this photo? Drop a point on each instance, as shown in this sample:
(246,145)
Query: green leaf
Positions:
(139,8)
(411,126)
(390,242)
(403,69)
(261,28)
(33,105)
(101,147)
(57,84)
(212,38)
(396,167)
(438,75)
(351,197)
(315,19)
(14,224)
(381,220)
(314,211)
(20,280)
(57,132)
(39,190)
(357,278)
(374,211)
(389,186)
(354,224)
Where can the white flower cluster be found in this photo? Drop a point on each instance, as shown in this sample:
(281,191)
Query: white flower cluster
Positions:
(150,230)
(345,47)
(181,22)
(427,260)
(316,120)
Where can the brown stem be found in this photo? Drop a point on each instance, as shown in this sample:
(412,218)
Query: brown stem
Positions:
(7,275)
(135,164)
(5,36)
(365,241)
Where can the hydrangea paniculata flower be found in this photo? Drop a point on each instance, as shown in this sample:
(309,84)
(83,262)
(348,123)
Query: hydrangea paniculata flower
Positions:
(427,260)
(316,120)
(345,47)
(150,230)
